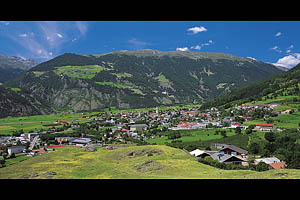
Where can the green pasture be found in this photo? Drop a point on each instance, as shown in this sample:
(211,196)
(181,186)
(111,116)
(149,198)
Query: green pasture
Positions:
(88,71)
(281,121)
(135,162)
(16,89)
(36,122)
(278,99)
(196,135)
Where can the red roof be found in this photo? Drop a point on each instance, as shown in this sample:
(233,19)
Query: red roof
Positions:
(246,117)
(277,165)
(265,125)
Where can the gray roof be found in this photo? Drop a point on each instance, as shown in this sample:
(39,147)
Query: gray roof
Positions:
(268,160)
(220,157)
(82,140)
(16,147)
(138,125)
(223,157)
(235,148)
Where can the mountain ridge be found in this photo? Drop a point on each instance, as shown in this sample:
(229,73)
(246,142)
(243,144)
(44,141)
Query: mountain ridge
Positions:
(135,79)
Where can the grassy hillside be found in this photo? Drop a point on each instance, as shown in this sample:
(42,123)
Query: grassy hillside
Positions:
(133,162)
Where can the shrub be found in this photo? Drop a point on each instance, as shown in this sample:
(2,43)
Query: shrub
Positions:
(261,166)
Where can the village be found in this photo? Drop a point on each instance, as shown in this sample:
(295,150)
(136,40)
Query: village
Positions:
(106,129)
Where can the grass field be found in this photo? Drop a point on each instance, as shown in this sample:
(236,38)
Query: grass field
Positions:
(33,123)
(88,71)
(128,163)
(196,135)
(281,121)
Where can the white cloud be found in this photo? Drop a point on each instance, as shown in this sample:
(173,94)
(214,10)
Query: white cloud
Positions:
(197,47)
(289,49)
(278,34)
(276,48)
(196,29)
(23,35)
(59,35)
(182,49)
(289,61)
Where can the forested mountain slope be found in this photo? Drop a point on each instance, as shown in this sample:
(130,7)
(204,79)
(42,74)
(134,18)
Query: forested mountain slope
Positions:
(143,78)
(283,84)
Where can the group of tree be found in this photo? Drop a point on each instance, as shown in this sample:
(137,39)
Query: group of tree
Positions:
(284,145)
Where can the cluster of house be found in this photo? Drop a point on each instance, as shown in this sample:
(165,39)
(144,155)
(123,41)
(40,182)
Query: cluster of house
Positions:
(236,155)
(213,118)
(22,139)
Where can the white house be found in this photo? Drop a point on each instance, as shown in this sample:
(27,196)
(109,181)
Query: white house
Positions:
(15,149)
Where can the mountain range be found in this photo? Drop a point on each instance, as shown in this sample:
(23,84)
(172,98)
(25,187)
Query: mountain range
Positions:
(134,79)
(13,66)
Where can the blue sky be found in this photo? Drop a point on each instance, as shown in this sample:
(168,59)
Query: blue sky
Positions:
(270,41)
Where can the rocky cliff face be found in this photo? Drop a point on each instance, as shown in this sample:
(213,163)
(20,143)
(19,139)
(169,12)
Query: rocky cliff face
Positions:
(17,103)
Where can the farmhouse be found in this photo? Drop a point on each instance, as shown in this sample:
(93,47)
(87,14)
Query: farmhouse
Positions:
(266,160)
(233,150)
(273,162)
(265,127)
(200,153)
(226,158)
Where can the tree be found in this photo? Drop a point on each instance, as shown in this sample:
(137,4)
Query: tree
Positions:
(254,148)
(13,155)
(238,130)
(270,136)
(262,166)
(2,162)
(223,133)
(248,131)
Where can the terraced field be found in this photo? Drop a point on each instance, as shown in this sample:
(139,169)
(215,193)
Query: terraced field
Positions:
(134,162)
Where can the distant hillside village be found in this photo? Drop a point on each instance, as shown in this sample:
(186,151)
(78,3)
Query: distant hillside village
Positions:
(108,128)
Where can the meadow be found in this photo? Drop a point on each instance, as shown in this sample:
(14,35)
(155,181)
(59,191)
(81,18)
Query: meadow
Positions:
(191,136)
(133,162)
(88,71)
(281,121)
(34,123)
